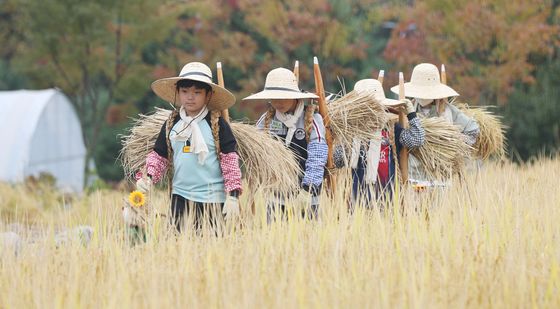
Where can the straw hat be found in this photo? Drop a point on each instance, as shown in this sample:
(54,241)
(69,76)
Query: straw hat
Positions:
(166,88)
(425,83)
(281,84)
(375,86)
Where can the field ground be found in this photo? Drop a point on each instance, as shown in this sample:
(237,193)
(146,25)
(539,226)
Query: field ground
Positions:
(492,241)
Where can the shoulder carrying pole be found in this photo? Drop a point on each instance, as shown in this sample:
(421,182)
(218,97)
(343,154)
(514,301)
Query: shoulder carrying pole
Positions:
(225,112)
(320,91)
(403,155)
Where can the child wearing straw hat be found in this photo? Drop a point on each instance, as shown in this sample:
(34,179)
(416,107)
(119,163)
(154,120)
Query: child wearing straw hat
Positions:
(373,163)
(299,126)
(197,148)
(431,95)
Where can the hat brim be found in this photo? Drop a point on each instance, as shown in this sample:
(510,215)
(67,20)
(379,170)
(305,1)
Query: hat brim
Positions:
(166,88)
(426,92)
(392,103)
(280,95)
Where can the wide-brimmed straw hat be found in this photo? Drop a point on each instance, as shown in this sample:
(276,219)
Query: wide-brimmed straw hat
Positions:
(375,86)
(166,88)
(425,83)
(280,84)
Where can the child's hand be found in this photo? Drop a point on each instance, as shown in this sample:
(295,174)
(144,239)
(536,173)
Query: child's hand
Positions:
(144,184)
(231,207)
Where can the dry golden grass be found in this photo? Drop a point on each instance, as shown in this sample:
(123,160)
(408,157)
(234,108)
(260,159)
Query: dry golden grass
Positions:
(491,241)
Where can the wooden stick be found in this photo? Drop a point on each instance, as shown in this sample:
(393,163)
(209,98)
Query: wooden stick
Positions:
(320,91)
(225,112)
(381,76)
(296,70)
(403,156)
(443,75)
(440,105)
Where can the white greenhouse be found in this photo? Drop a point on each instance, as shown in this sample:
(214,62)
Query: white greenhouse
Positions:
(41,133)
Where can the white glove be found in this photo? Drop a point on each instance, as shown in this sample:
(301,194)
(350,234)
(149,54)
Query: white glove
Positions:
(144,184)
(409,106)
(231,207)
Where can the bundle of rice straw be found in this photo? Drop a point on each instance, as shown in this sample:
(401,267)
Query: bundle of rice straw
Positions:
(491,141)
(444,149)
(267,163)
(356,115)
(140,140)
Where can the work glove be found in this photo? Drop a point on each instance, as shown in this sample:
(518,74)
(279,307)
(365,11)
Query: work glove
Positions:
(231,207)
(408,106)
(144,184)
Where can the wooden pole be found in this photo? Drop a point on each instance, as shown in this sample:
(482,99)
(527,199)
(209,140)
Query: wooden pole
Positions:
(440,105)
(320,91)
(225,112)
(381,76)
(443,75)
(296,70)
(403,155)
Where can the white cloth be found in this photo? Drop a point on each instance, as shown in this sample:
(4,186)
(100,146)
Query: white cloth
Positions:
(355,155)
(231,207)
(372,160)
(290,120)
(187,128)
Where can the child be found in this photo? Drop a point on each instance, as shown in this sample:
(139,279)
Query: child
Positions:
(431,97)
(373,162)
(198,148)
(302,130)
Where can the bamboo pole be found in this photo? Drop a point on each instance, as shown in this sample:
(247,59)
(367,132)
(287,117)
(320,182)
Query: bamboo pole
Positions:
(320,91)
(296,70)
(381,76)
(403,155)
(225,112)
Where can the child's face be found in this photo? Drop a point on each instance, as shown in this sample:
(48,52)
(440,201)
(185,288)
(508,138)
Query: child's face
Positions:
(284,105)
(193,100)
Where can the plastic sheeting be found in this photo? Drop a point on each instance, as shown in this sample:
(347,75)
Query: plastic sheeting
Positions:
(41,133)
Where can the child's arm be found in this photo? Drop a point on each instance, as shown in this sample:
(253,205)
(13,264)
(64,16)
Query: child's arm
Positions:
(317,152)
(229,159)
(156,160)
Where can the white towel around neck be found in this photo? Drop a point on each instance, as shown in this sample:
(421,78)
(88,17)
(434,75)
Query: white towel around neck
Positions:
(187,128)
(290,120)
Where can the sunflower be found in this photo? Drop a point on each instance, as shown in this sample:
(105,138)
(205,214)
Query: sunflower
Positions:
(136,198)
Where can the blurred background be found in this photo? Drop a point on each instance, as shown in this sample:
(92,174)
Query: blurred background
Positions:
(103,55)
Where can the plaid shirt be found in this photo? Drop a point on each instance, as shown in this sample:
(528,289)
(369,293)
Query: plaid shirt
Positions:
(414,136)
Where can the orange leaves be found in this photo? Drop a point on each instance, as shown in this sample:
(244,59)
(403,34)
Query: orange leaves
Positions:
(487,45)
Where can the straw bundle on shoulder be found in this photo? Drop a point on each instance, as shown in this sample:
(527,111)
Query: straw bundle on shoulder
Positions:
(267,163)
(356,115)
(492,140)
(444,149)
(140,140)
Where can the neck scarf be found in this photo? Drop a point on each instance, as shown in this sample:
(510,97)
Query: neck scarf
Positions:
(187,128)
(290,120)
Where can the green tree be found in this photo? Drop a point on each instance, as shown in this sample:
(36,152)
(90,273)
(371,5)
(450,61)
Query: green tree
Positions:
(91,50)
